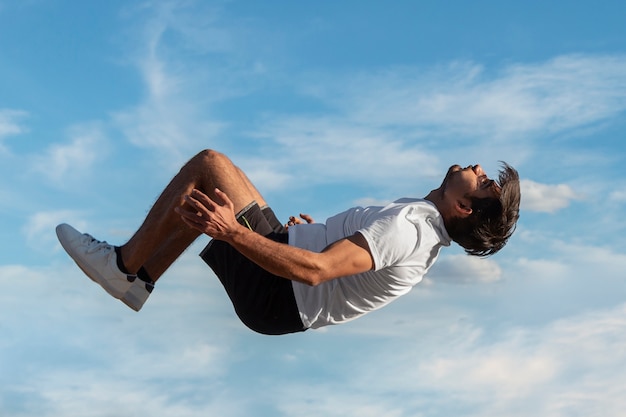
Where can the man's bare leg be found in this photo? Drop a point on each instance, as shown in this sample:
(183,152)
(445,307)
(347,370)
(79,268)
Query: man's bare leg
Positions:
(163,236)
(177,243)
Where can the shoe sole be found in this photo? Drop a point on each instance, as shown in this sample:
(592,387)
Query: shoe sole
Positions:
(135,297)
(132,304)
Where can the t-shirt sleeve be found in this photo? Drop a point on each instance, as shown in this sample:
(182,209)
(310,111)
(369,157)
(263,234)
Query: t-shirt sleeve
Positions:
(391,238)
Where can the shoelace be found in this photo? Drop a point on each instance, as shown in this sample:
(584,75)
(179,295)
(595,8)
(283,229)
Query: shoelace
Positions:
(95,245)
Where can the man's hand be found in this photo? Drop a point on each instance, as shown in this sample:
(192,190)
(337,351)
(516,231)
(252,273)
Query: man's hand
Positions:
(210,217)
(344,257)
(294,220)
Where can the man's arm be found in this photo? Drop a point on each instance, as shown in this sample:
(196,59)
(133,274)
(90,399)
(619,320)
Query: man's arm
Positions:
(345,257)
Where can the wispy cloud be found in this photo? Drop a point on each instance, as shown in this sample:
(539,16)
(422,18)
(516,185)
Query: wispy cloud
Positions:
(415,121)
(463,269)
(328,149)
(10,124)
(39,227)
(69,163)
(618,196)
(400,120)
(468,100)
(506,338)
(182,74)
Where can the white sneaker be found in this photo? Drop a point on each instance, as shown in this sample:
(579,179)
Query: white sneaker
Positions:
(137,294)
(97,259)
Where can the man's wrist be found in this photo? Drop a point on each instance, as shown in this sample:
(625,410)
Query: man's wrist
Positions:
(237,234)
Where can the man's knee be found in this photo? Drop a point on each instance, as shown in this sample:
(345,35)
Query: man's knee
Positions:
(207,163)
(208,158)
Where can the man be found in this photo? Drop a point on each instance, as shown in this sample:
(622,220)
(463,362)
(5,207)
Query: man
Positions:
(284,280)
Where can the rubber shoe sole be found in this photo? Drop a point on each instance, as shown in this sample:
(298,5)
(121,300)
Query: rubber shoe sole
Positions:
(137,294)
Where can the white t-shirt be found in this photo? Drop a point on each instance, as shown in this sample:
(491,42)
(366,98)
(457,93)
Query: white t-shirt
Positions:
(404,239)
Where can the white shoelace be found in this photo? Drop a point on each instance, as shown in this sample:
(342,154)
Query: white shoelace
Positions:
(95,245)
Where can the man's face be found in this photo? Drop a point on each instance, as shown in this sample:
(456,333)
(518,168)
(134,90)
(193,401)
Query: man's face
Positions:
(468,182)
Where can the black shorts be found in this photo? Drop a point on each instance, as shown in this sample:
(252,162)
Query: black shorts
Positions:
(263,301)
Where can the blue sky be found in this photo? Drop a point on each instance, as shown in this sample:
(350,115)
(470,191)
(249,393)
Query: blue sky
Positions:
(325,105)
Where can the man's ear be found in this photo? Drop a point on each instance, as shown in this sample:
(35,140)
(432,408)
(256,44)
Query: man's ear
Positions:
(463,207)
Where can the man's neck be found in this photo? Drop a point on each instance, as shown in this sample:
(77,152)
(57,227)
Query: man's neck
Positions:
(436,197)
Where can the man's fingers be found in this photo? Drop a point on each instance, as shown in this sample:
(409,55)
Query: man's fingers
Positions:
(206,200)
(225,199)
(295,220)
(201,198)
(191,216)
(307,218)
(188,220)
(201,209)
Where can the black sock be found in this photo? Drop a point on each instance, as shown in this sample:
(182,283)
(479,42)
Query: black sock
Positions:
(120,262)
(143,275)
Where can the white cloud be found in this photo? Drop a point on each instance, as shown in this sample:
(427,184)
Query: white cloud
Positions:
(173,117)
(184,354)
(550,371)
(10,123)
(104,394)
(68,348)
(547,268)
(327,149)
(618,196)
(397,125)
(382,127)
(171,127)
(567,367)
(71,162)
(610,260)
(72,350)
(40,226)
(321,400)
(464,269)
(464,99)
(544,197)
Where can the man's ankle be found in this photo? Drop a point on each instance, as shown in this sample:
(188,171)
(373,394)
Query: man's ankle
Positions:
(143,275)
(120,261)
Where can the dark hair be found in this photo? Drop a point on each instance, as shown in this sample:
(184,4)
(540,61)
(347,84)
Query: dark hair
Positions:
(492,221)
